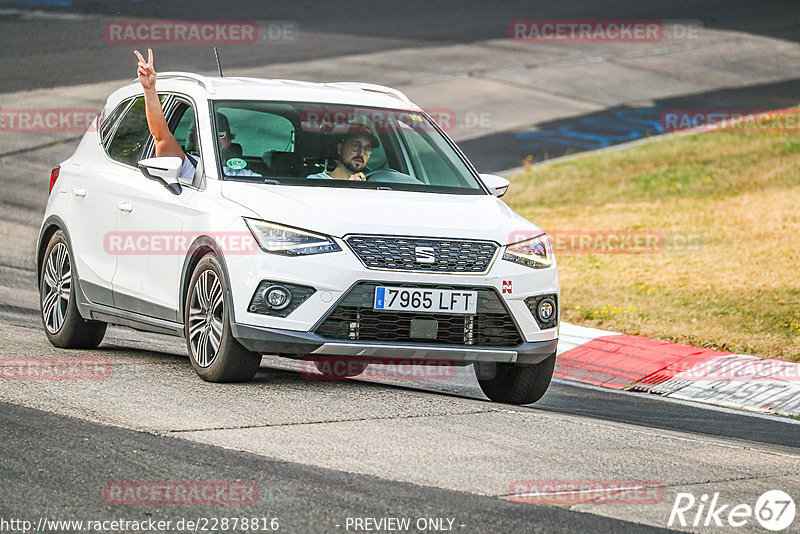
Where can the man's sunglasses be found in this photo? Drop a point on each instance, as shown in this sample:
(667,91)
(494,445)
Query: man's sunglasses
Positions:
(356,146)
(221,134)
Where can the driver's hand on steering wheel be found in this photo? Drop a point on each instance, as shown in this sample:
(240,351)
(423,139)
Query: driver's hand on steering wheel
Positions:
(358,176)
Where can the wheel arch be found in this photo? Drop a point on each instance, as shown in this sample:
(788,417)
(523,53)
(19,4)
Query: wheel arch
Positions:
(50,226)
(199,248)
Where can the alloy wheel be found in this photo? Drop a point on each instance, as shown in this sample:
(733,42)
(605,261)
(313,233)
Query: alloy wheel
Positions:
(57,288)
(205,318)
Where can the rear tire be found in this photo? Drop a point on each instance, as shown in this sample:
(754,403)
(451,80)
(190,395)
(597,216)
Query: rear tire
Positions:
(63,324)
(215,354)
(515,384)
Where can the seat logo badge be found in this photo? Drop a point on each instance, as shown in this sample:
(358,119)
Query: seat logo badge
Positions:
(506,286)
(425,254)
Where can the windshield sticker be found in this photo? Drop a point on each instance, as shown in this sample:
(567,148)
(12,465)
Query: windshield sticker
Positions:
(236,163)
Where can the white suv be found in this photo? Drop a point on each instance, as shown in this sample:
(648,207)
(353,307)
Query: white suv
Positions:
(257,255)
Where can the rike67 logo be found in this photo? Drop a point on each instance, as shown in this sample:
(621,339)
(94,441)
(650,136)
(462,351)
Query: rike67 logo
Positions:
(774,510)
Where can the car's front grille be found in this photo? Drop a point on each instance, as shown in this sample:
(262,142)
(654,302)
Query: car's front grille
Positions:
(355,319)
(423,254)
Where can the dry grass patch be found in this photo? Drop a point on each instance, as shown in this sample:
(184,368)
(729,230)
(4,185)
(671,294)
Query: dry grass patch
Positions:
(735,197)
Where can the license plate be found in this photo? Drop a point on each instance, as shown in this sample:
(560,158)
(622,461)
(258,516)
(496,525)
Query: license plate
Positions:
(426,300)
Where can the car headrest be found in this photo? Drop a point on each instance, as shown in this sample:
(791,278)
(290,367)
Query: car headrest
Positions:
(284,163)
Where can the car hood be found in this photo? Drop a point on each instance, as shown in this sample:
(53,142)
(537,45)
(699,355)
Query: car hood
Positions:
(339,212)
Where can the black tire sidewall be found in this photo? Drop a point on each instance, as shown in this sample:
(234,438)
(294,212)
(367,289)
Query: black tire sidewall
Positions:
(232,362)
(75,332)
(518,384)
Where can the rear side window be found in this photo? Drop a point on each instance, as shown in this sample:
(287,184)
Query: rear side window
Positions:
(131,135)
(108,124)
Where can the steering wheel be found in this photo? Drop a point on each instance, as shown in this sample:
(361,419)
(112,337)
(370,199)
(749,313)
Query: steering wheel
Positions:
(391,176)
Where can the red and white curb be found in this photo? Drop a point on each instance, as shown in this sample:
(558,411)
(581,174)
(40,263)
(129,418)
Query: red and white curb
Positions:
(624,362)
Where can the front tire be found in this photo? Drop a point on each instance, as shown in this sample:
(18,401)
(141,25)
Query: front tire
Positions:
(215,354)
(515,384)
(63,324)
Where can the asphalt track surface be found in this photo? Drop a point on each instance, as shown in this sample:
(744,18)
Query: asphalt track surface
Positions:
(60,56)
(56,460)
(606,128)
(63,44)
(64,475)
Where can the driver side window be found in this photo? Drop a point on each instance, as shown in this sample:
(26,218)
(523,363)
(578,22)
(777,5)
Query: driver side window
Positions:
(185,130)
(183,125)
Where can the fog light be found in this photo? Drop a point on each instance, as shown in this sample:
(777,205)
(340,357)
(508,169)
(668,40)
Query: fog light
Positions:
(545,309)
(277,297)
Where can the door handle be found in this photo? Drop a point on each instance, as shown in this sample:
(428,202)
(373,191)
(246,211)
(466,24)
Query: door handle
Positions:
(79,192)
(127,207)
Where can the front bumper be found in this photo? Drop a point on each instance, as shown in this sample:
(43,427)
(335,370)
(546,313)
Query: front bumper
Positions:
(292,343)
(333,275)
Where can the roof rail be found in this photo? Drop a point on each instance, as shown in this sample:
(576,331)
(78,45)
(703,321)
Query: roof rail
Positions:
(200,79)
(248,78)
(371,87)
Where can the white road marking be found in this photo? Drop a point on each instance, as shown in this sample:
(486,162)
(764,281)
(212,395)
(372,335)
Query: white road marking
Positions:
(778,418)
(37,14)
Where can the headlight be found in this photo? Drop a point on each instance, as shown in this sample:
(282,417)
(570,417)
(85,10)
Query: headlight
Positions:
(536,252)
(278,239)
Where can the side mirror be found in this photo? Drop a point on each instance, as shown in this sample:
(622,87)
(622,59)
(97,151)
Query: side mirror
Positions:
(497,184)
(165,171)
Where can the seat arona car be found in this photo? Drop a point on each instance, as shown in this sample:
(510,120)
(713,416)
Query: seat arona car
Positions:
(264,251)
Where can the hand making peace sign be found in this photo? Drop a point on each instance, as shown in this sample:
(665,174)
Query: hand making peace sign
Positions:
(146,72)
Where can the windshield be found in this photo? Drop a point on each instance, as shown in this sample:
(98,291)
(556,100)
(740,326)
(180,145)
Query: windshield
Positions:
(330,145)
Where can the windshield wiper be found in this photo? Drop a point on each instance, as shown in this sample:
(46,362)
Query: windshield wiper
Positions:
(272,181)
